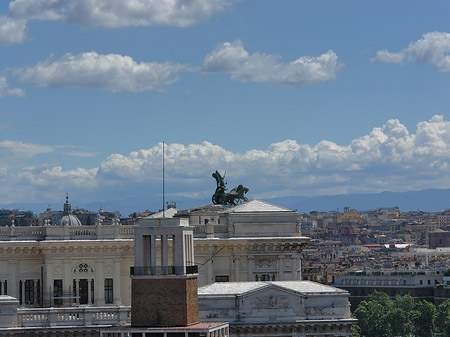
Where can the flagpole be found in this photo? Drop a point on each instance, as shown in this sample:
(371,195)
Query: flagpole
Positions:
(164,186)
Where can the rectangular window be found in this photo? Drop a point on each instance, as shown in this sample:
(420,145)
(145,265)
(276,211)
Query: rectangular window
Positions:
(29,292)
(58,292)
(222,278)
(109,295)
(4,287)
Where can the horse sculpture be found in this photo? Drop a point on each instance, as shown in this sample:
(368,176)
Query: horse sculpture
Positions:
(222,197)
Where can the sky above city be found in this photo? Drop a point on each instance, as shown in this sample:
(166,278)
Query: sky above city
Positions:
(287,97)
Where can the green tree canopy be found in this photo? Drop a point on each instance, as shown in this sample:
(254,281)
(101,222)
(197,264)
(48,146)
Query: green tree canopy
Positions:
(424,318)
(443,318)
(384,317)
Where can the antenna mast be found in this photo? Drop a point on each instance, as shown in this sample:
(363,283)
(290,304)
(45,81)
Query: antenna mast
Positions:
(163,180)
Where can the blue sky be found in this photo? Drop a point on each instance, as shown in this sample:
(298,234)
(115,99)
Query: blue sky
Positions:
(288,97)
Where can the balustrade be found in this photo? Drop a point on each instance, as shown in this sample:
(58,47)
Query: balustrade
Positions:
(80,316)
(49,232)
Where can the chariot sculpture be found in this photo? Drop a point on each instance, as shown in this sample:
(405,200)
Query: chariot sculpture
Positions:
(222,197)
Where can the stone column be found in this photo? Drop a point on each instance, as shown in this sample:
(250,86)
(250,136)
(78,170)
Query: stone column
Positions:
(1,288)
(296,268)
(67,282)
(35,292)
(47,285)
(179,254)
(209,272)
(281,267)
(299,268)
(164,254)
(99,286)
(251,265)
(153,250)
(23,292)
(77,291)
(234,261)
(143,253)
(89,291)
(13,279)
(116,284)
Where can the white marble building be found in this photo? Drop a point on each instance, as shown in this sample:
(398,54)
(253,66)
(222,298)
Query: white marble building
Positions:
(67,274)
(255,241)
(280,308)
(66,264)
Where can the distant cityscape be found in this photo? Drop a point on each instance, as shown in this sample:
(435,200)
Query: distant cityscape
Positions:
(80,258)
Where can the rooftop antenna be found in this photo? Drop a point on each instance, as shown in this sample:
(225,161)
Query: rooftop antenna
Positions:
(163,181)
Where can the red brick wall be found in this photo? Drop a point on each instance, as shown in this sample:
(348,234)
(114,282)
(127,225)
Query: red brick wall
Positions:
(171,301)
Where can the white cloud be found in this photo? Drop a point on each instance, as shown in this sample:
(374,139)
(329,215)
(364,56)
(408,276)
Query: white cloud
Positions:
(23,150)
(81,154)
(18,150)
(12,31)
(385,56)
(119,13)
(433,49)
(388,158)
(112,72)
(5,90)
(371,162)
(232,58)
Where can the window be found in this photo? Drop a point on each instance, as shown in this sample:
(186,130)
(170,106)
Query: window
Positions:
(222,278)
(57,292)
(4,287)
(109,295)
(29,292)
(265,277)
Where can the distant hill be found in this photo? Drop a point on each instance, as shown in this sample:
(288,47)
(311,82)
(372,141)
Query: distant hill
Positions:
(425,200)
(430,200)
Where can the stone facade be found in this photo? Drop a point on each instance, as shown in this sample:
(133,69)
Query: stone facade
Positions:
(291,308)
(62,266)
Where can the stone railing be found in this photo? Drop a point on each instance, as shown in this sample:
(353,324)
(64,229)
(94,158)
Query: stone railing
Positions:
(221,229)
(40,233)
(77,316)
(211,230)
(197,229)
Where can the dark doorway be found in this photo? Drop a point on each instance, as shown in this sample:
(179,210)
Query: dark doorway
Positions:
(83,291)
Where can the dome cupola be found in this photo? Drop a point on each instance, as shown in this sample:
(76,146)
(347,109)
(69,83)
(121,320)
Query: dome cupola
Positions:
(67,218)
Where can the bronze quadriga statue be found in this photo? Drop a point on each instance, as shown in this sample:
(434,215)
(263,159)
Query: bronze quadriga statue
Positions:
(233,197)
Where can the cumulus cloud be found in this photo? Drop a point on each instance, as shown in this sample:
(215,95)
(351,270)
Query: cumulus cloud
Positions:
(5,90)
(389,158)
(12,31)
(105,14)
(432,49)
(232,58)
(112,72)
(119,13)
(386,158)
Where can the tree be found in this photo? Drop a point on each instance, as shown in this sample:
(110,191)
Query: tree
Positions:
(400,316)
(443,318)
(384,317)
(424,317)
(373,316)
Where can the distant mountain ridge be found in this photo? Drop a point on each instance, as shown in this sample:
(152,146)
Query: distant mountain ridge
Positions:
(430,200)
